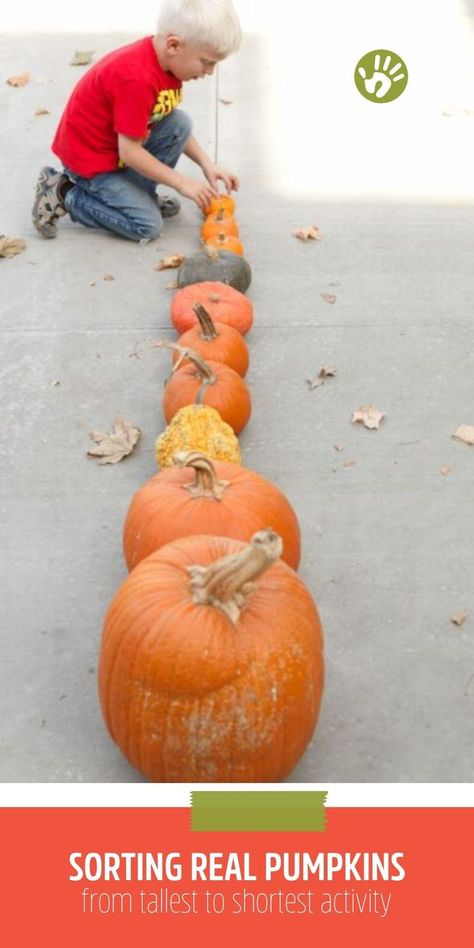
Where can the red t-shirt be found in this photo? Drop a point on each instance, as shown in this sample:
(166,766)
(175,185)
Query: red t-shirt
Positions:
(125,92)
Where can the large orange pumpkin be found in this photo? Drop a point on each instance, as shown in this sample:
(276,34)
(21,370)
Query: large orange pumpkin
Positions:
(211,666)
(198,382)
(220,223)
(198,495)
(215,341)
(223,303)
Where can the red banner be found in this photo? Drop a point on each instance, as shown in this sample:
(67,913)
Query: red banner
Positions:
(99,877)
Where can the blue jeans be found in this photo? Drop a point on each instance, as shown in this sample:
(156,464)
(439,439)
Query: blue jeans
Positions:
(124,201)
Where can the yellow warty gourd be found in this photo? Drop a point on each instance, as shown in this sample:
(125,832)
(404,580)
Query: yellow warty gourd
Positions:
(198,428)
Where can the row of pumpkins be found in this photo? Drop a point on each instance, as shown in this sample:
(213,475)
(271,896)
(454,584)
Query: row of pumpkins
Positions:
(211,665)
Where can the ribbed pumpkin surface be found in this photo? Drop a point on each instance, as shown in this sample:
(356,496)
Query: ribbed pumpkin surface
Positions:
(224,303)
(229,395)
(190,696)
(228,346)
(164,510)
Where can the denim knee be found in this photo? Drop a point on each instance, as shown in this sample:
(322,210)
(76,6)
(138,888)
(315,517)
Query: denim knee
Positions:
(149,230)
(182,124)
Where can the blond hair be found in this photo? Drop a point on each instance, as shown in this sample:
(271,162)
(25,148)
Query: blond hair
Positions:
(201,22)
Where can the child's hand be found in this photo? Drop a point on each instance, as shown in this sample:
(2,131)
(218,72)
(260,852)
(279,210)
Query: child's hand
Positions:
(214,174)
(197,191)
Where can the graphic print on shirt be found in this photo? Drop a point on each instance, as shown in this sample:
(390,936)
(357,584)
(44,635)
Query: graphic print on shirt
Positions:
(167,101)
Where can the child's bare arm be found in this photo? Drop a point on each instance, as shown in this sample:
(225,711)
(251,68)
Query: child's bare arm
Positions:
(134,155)
(213,172)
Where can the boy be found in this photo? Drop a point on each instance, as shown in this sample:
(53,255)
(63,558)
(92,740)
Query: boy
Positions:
(121,134)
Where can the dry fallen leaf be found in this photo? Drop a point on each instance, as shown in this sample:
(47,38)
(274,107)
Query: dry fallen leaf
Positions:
(465,433)
(307,233)
(10,246)
(338,447)
(42,112)
(82,57)
(19,81)
(368,415)
(171,286)
(114,445)
(329,297)
(56,382)
(445,471)
(225,101)
(170,263)
(92,283)
(349,463)
(460,618)
(108,277)
(327,371)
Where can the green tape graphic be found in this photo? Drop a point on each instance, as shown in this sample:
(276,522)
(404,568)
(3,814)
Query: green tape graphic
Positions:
(244,810)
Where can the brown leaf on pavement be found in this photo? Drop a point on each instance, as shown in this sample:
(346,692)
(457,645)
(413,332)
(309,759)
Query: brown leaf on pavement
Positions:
(464,433)
(19,81)
(112,446)
(108,277)
(445,471)
(327,371)
(368,415)
(10,246)
(307,233)
(42,111)
(82,57)
(329,297)
(225,101)
(170,263)
(460,617)
(171,286)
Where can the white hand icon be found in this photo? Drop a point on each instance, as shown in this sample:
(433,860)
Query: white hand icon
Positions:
(380,82)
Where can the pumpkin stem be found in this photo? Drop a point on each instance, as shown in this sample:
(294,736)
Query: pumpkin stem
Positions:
(206,323)
(206,483)
(207,375)
(228,582)
(211,252)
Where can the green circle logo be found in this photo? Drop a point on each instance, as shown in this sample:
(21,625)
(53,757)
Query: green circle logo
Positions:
(381,75)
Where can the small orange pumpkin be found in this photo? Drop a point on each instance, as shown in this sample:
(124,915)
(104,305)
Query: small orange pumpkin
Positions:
(226,242)
(197,382)
(223,202)
(211,663)
(223,303)
(215,341)
(197,495)
(220,223)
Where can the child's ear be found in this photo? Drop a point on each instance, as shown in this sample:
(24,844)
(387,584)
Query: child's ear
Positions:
(173,45)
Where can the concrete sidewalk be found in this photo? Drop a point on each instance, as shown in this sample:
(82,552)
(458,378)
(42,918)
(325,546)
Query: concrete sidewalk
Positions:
(388,545)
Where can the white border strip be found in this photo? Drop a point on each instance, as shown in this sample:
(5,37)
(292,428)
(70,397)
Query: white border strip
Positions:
(112,795)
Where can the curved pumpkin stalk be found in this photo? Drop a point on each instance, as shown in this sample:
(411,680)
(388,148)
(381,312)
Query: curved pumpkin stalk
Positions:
(206,483)
(228,582)
(205,320)
(207,375)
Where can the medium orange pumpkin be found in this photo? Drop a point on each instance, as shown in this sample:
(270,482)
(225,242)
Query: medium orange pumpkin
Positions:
(223,202)
(226,242)
(220,223)
(211,665)
(215,341)
(198,495)
(223,303)
(198,382)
